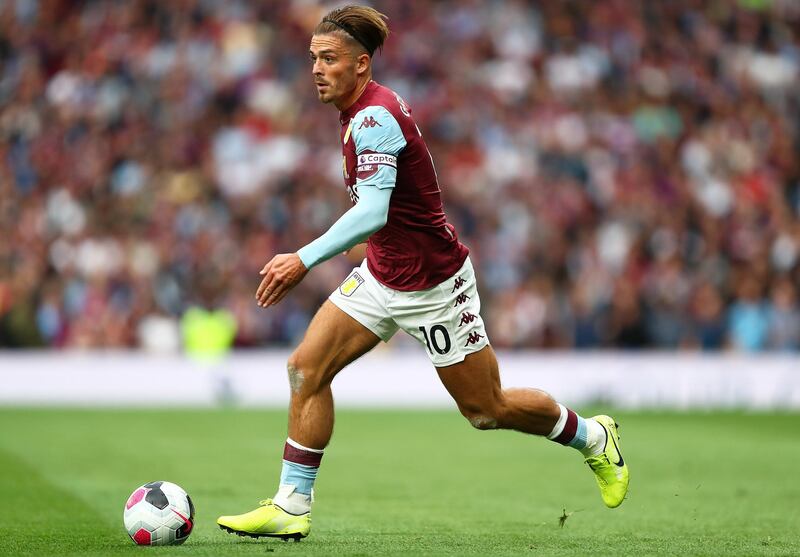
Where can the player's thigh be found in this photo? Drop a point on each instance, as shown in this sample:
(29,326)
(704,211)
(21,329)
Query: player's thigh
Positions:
(445,319)
(474,383)
(332,340)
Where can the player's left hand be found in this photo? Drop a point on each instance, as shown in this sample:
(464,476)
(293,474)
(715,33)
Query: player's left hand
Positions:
(281,274)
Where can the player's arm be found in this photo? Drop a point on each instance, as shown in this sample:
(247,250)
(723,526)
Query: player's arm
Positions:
(285,270)
(378,141)
(364,219)
(377,146)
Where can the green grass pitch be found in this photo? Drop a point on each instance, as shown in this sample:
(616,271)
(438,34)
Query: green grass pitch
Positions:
(404,482)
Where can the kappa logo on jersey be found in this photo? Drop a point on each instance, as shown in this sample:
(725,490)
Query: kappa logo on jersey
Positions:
(370,122)
(467,318)
(473,338)
(460,299)
(351,284)
(458,284)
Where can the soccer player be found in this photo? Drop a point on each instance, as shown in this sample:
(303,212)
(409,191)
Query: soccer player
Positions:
(417,276)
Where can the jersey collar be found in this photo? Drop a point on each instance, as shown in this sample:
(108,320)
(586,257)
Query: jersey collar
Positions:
(346,115)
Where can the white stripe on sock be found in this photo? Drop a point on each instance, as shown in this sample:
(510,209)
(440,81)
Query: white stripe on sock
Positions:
(297,445)
(562,421)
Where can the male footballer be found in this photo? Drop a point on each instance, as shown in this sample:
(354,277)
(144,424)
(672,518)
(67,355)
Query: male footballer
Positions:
(416,276)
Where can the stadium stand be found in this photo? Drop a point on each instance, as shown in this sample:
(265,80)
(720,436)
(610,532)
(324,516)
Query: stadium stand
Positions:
(625,174)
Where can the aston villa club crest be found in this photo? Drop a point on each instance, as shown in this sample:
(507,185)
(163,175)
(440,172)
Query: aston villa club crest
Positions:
(351,284)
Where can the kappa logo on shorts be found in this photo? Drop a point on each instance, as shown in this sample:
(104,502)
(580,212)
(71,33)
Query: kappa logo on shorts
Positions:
(467,318)
(460,299)
(351,284)
(458,284)
(473,338)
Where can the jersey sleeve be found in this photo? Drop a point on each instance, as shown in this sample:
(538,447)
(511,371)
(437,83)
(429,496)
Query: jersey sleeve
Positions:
(356,225)
(378,141)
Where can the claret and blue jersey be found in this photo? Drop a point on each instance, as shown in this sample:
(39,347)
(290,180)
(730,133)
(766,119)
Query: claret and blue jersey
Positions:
(383,147)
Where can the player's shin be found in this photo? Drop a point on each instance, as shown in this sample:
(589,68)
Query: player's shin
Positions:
(300,467)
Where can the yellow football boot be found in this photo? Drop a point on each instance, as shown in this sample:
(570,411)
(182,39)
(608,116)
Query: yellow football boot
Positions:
(268,520)
(609,467)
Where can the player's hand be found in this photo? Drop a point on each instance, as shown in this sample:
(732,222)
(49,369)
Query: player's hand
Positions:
(281,274)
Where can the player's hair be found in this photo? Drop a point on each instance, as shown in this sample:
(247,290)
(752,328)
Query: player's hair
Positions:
(362,24)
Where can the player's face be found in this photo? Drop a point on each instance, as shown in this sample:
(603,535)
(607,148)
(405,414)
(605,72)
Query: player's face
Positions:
(335,69)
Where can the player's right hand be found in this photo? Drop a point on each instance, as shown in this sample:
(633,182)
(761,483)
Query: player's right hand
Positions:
(281,274)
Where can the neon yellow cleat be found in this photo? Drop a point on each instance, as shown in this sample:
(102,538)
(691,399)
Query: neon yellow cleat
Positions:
(609,468)
(268,520)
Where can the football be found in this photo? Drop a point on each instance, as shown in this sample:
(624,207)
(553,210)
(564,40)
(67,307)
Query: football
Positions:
(159,513)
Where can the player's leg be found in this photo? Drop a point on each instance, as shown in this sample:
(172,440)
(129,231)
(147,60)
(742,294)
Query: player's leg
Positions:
(446,320)
(333,340)
(474,384)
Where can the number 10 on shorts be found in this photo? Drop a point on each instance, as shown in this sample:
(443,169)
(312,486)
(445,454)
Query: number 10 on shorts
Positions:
(437,339)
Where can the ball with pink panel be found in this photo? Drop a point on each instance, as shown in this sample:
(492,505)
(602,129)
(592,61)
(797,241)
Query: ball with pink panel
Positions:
(159,513)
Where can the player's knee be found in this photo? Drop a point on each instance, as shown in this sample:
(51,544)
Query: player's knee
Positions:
(483,422)
(301,374)
(481,417)
(296,375)
(304,375)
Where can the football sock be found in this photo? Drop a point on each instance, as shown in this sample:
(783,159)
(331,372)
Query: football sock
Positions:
(586,435)
(300,467)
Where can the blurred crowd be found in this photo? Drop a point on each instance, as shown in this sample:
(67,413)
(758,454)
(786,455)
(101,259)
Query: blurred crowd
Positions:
(626,174)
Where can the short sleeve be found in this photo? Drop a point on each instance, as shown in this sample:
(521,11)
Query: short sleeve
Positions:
(378,141)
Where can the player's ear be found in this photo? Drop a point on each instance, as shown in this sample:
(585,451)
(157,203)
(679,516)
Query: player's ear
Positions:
(363,63)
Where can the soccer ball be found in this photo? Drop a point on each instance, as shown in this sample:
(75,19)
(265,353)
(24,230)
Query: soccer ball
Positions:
(159,513)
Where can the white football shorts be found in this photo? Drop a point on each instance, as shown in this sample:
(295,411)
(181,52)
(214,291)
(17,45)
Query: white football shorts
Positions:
(445,319)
